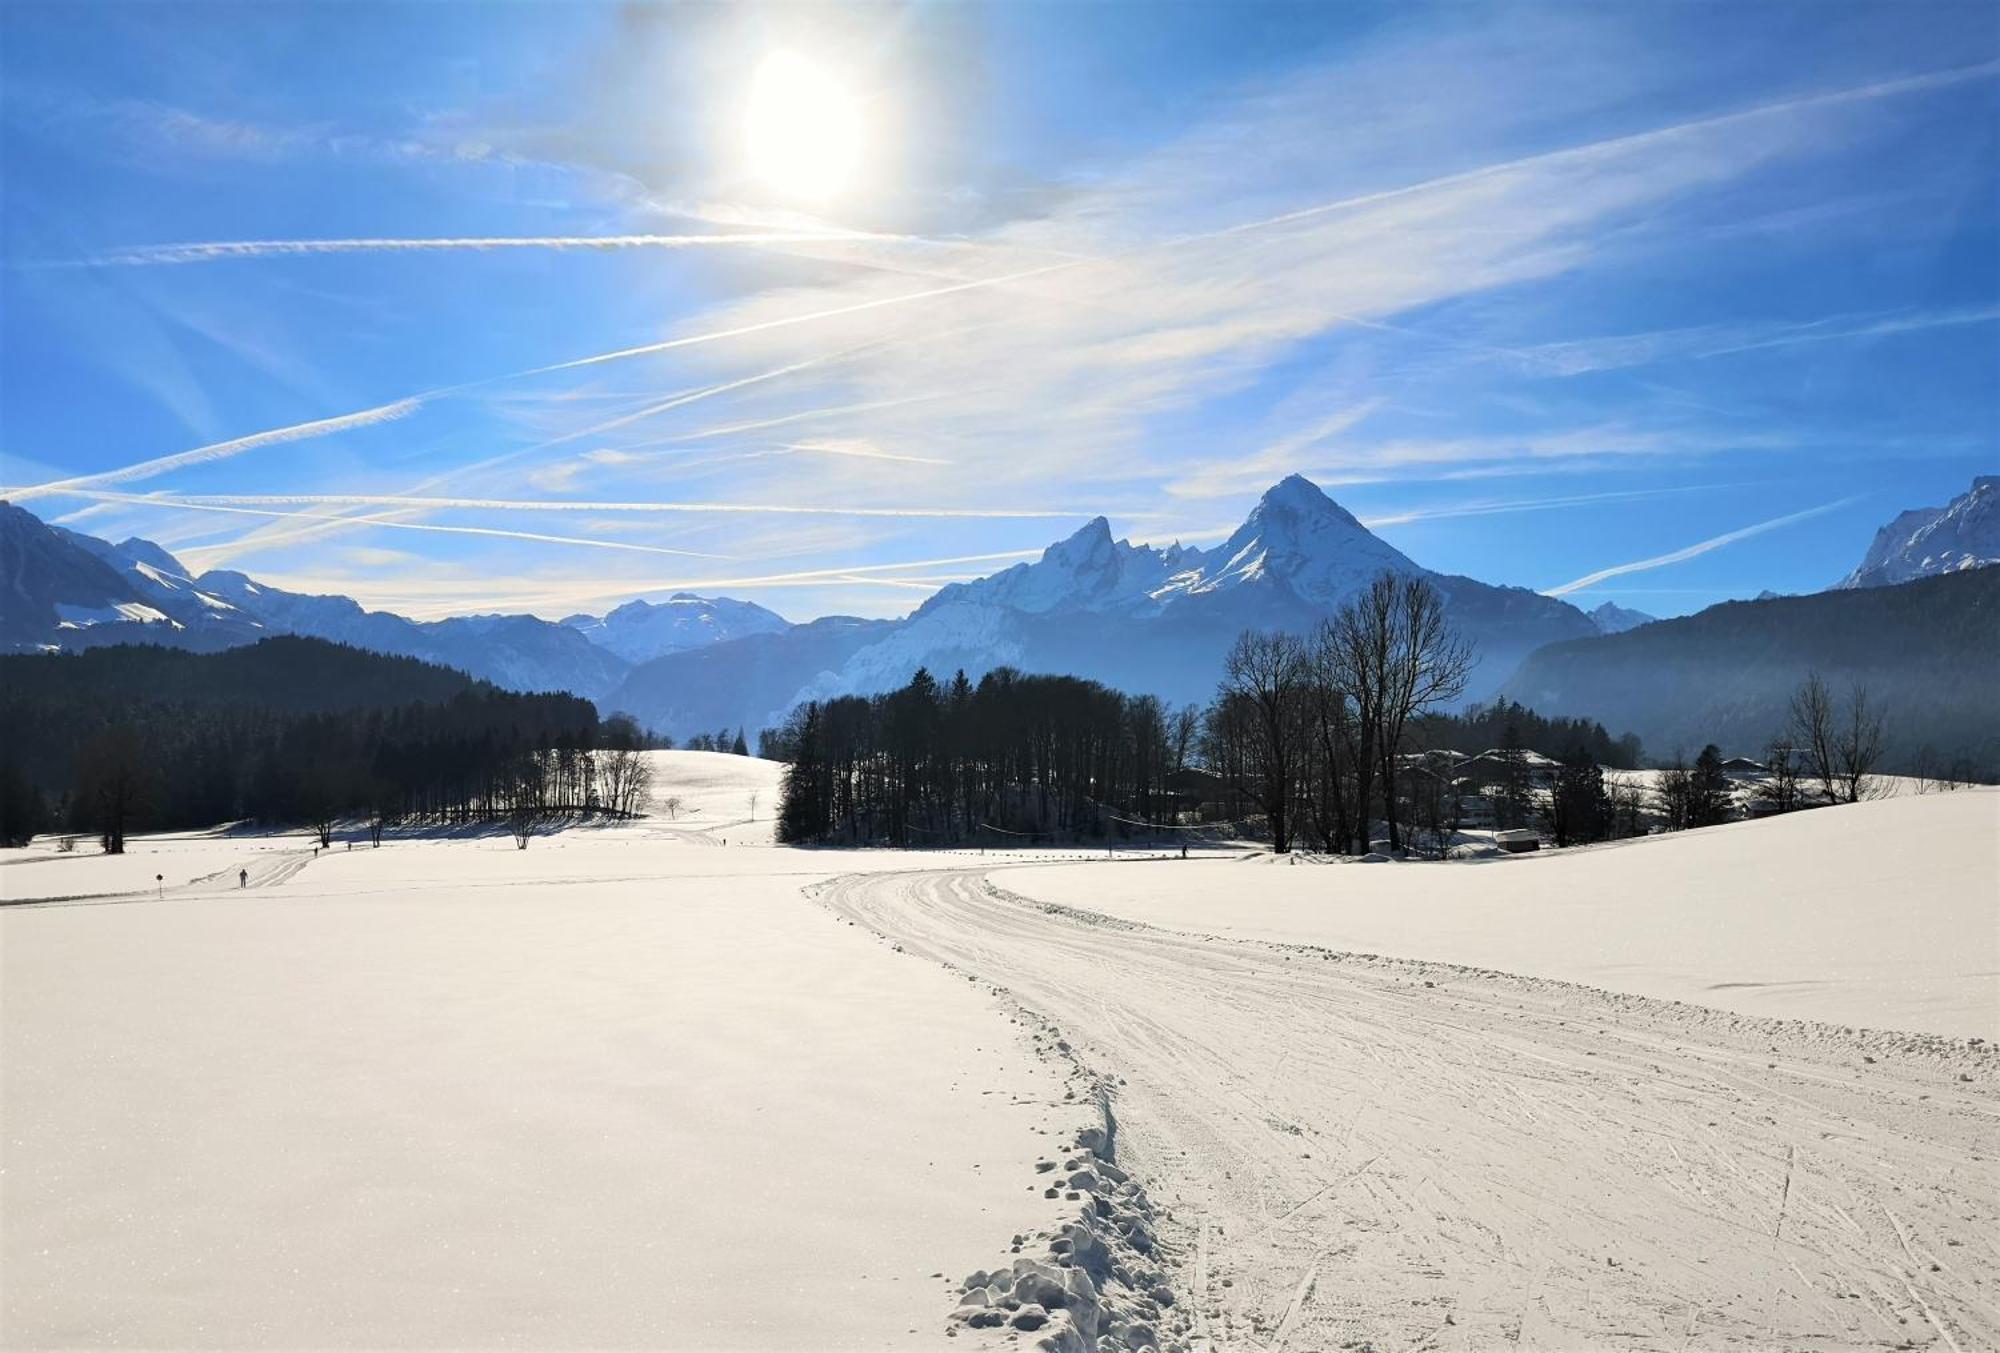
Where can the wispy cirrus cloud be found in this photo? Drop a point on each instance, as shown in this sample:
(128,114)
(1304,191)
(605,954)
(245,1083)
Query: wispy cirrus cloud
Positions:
(1697,549)
(1548,504)
(1136,318)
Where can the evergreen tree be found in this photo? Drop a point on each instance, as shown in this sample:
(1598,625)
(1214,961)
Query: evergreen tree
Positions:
(1578,809)
(1710,797)
(1515,797)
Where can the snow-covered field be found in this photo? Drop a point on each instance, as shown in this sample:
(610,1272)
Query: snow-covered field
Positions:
(1882,915)
(634,1087)
(626,1088)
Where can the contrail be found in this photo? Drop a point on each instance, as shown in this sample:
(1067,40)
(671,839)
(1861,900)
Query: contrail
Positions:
(803,415)
(1528,505)
(154,500)
(145,469)
(1853,94)
(662,406)
(1883,89)
(786,321)
(858,449)
(168,499)
(1699,548)
(209,251)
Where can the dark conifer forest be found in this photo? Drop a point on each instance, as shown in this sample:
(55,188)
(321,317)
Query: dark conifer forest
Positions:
(286,731)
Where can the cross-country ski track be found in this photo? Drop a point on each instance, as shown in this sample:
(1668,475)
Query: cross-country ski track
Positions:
(1370,1153)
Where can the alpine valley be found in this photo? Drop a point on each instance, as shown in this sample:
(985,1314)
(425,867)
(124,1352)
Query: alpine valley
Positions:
(1154,619)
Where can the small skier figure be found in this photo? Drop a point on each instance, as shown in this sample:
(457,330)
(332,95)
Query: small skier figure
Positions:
(243,878)
(1183,852)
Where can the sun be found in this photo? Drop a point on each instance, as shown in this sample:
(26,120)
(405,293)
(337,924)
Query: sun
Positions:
(803,132)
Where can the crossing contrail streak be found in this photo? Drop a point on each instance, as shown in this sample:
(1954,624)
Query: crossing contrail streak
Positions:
(1700,547)
(386,524)
(568,505)
(787,321)
(209,251)
(1579,154)
(145,469)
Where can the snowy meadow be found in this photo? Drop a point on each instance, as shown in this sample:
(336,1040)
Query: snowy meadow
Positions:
(667,1084)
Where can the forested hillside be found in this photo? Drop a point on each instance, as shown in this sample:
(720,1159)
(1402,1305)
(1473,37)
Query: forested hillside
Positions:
(137,738)
(1927,651)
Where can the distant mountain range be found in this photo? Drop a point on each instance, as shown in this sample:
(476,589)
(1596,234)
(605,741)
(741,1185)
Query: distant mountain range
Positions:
(1927,541)
(63,589)
(1139,617)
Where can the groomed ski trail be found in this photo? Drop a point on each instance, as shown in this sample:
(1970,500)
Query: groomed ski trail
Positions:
(1371,1153)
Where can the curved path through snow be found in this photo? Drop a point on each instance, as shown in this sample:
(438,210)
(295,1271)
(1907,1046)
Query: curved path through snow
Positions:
(1367,1152)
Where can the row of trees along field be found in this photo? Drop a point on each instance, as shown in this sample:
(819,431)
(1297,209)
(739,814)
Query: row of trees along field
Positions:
(291,730)
(930,764)
(1305,732)
(1321,739)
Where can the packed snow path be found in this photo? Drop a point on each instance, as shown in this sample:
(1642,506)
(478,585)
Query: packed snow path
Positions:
(1361,1152)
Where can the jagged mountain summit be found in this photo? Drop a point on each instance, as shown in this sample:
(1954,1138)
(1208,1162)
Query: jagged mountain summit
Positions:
(1927,541)
(1161,619)
(1296,538)
(1611,618)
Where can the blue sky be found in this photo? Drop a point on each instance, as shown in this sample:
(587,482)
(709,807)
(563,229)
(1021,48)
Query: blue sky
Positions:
(1540,291)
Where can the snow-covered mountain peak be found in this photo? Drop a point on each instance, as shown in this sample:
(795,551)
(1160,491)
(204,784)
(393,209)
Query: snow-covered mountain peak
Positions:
(1964,533)
(1086,571)
(1611,618)
(1299,538)
(1090,547)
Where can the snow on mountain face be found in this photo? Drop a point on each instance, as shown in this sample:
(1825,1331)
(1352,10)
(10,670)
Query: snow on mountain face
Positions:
(1299,537)
(640,631)
(1296,538)
(1160,618)
(1965,533)
(1611,618)
(1087,572)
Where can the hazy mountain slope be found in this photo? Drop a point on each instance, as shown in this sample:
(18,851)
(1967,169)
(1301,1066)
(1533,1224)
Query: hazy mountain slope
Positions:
(519,652)
(640,631)
(1927,649)
(741,683)
(1926,541)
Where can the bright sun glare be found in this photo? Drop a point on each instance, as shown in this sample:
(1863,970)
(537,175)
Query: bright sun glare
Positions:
(803,133)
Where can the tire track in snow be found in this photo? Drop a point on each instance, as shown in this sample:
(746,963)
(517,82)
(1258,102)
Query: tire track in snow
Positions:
(1614,1160)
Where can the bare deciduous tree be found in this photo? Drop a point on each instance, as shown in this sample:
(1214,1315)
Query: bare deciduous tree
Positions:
(1267,673)
(523,822)
(1838,748)
(1857,745)
(1779,790)
(1812,733)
